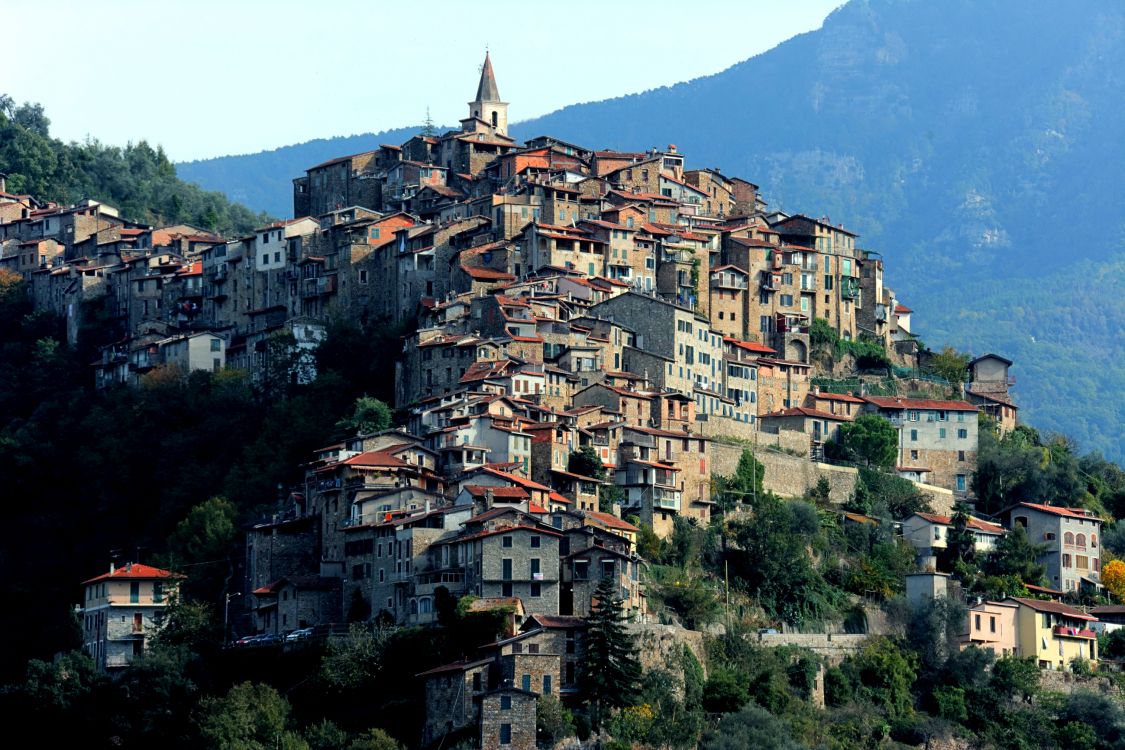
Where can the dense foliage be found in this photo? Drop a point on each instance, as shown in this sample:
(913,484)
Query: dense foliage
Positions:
(138,179)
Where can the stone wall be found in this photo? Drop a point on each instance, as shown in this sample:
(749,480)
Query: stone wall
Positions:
(941,499)
(795,476)
(832,646)
(661,647)
(789,476)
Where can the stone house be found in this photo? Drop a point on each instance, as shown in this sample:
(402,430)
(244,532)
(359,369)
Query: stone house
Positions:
(1071,538)
(297,602)
(121,610)
(940,436)
(821,427)
(988,388)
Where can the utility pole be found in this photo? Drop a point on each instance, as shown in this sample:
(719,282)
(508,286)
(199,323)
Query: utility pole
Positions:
(226,616)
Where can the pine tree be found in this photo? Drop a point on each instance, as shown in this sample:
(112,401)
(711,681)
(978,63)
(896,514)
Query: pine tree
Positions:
(428,125)
(611,671)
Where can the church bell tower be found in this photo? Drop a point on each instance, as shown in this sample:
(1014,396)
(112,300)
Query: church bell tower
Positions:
(487,105)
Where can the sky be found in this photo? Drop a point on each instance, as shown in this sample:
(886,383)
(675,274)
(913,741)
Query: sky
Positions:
(208,78)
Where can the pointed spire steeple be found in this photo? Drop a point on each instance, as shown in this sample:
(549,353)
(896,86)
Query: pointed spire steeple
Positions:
(486,89)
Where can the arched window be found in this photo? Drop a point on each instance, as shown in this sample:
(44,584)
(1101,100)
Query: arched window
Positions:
(1080,540)
(1093,540)
(1066,561)
(424,606)
(495,118)
(1068,538)
(413,606)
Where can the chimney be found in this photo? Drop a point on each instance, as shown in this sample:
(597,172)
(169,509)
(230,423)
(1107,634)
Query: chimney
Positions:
(3,183)
(112,567)
(489,499)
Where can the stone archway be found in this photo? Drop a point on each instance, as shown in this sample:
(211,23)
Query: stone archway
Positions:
(796,351)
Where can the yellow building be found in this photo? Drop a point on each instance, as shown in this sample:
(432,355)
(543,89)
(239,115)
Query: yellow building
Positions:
(1054,633)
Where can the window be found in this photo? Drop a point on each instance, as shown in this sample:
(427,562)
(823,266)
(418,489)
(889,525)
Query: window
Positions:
(505,734)
(581,570)
(506,565)
(1080,540)
(1068,538)
(505,703)
(960,455)
(914,435)
(476,682)
(961,484)
(546,684)
(134,592)
(976,623)
(913,455)
(941,433)
(535,542)
(912,415)
(1093,540)
(992,624)
(158,592)
(526,682)
(363,277)
(505,589)
(962,434)
(507,541)
(1066,561)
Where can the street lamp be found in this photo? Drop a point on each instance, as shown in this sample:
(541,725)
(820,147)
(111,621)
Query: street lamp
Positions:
(226,615)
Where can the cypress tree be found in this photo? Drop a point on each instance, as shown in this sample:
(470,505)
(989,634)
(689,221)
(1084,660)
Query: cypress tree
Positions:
(611,670)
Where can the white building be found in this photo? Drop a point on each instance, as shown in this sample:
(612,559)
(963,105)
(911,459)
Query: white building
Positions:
(122,609)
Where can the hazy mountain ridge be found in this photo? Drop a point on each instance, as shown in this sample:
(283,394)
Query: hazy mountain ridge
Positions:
(966,141)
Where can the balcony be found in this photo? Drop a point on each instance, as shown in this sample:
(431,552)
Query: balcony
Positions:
(1068,631)
(671,501)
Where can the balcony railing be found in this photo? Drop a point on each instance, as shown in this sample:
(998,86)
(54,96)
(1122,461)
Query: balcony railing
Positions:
(1073,632)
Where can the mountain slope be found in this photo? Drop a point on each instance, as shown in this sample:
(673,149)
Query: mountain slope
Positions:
(265,179)
(974,144)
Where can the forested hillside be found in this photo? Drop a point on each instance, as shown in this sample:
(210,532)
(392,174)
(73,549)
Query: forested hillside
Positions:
(966,141)
(138,179)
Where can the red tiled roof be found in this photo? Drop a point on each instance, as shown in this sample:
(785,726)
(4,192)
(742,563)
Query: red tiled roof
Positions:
(134,571)
(894,402)
(480,490)
(804,411)
(555,497)
(838,397)
(1060,511)
(1057,608)
(974,523)
(491,274)
(611,521)
(902,309)
(750,346)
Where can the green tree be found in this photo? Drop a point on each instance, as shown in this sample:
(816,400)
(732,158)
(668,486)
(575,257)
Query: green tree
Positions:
(744,486)
(553,721)
(375,739)
(204,541)
(368,416)
(1014,555)
(953,366)
(751,727)
(249,717)
(610,671)
(871,440)
(585,461)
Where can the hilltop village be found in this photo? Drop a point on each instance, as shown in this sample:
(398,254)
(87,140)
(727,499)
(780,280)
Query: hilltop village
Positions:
(590,337)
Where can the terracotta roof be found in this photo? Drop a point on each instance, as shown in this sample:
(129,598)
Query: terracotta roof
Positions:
(1082,513)
(558,621)
(134,571)
(894,402)
(804,411)
(838,397)
(1057,608)
(974,523)
(902,309)
(490,274)
(750,346)
(480,490)
(611,521)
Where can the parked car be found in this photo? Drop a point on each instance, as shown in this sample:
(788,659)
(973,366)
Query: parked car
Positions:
(269,639)
(299,635)
(767,631)
(245,640)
